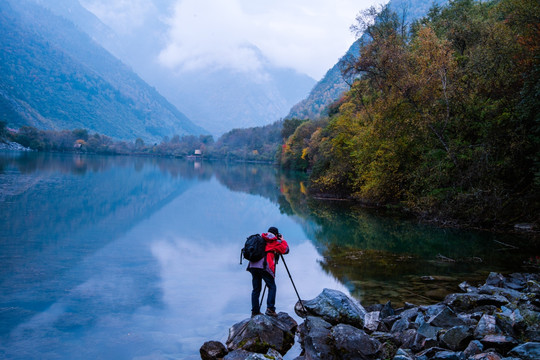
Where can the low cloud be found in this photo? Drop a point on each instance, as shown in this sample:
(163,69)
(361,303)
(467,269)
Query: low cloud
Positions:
(306,35)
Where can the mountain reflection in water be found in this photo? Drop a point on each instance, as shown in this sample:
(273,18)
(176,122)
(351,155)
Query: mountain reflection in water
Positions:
(120,257)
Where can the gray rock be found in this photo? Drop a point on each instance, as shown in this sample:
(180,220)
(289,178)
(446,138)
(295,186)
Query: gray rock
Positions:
(495,279)
(475,347)
(387,310)
(465,286)
(509,294)
(469,301)
(212,350)
(430,352)
(486,326)
(315,339)
(371,321)
(238,355)
(448,355)
(353,343)
(486,356)
(533,286)
(445,318)
(429,331)
(334,307)
(457,338)
(271,354)
(501,343)
(406,338)
(410,314)
(511,322)
(400,325)
(402,354)
(260,333)
(527,351)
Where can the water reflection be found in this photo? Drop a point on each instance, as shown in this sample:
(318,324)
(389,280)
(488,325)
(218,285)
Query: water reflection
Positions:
(125,257)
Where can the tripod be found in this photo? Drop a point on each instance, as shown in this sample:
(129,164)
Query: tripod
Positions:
(292,282)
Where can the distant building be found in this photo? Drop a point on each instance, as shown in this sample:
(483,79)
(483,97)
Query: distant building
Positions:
(198,152)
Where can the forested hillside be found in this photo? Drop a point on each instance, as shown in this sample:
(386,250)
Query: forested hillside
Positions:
(444,119)
(333,85)
(52,76)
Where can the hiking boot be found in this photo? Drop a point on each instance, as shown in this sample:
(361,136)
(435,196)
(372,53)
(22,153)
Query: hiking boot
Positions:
(271,312)
(255,313)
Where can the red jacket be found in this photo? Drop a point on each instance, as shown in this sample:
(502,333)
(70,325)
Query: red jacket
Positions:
(273,245)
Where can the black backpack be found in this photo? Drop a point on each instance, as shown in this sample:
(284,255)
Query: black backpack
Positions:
(254,248)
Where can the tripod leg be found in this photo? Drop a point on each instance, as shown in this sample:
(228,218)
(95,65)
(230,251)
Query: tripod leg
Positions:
(262,297)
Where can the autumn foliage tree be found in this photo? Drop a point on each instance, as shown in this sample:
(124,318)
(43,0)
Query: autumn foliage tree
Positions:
(441,118)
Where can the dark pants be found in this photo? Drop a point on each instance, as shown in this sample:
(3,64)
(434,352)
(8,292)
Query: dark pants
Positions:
(258,276)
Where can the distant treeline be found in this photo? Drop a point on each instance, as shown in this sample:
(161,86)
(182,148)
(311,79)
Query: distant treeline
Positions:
(443,117)
(253,144)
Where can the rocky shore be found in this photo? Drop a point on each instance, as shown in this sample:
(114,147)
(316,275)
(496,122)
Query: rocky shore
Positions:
(498,320)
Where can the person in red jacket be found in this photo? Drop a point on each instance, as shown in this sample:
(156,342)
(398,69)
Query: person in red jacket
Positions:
(265,269)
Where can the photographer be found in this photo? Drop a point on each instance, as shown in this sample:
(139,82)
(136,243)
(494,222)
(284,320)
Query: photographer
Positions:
(265,269)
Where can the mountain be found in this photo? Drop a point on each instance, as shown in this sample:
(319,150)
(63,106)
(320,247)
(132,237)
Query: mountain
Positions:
(332,86)
(218,99)
(54,76)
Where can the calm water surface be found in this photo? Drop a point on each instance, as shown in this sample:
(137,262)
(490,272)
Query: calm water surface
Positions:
(135,258)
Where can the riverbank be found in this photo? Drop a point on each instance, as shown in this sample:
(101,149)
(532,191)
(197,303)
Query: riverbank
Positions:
(499,319)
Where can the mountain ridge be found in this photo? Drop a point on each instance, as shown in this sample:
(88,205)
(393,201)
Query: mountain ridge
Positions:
(56,77)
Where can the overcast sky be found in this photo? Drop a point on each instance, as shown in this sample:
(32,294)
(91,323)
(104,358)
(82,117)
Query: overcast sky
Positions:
(306,35)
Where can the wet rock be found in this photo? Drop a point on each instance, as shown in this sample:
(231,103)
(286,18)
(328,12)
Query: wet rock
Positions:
(410,314)
(429,331)
(527,351)
(516,281)
(212,350)
(353,343)
(501,343)
(260,333)
(509,294)
(237,355)
(334,307)
(400,325)
(371,321)
(448,355)
(246,355)
(389,321)
(445,318)
(475,347)
(486,356)
(402,354)
(486,326)
(315,339)
(457,338)
(495,279)
(429,353)
(533,286)
(469,301)
(466,287)
(511,322)
(387,310)
(406,338)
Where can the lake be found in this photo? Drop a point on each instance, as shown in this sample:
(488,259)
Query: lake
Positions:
(138,258)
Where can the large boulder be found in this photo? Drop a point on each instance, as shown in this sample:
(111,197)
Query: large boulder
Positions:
(335,307)
(353,343)
(260,333)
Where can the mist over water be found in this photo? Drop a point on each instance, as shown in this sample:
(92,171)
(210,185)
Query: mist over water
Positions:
(138,258)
